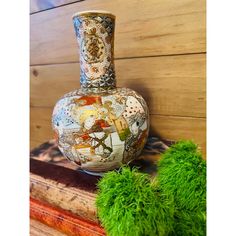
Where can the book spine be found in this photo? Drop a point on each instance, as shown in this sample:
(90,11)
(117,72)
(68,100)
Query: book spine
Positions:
(63,221)
(77,201)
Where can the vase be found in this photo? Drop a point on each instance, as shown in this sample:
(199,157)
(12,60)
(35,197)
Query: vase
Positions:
(99,126)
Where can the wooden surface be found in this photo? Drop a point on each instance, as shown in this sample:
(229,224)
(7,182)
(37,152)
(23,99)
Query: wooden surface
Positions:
(63,221)
(40,126)
(143,28)
(39,229)
(177,128)
(160,52)
(42,5)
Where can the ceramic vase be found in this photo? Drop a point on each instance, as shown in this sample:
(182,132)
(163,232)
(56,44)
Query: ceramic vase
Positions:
(99,126)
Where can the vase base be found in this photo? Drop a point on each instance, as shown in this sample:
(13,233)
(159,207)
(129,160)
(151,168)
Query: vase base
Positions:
(93,173)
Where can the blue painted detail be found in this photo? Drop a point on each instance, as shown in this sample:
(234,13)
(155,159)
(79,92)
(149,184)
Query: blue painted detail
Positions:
(77,22)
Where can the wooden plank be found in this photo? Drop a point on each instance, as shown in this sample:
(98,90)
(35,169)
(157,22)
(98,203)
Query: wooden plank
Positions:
(179,128)
(39,5)
(144,28)
(39,229)
(168,127)
(40,126)
(173,85)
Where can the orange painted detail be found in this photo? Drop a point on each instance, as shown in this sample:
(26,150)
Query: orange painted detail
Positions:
(102,123)
(79,146)
(85,136)
(63,221)
(86,100)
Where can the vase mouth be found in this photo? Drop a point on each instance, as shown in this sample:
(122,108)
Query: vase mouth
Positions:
(93,13)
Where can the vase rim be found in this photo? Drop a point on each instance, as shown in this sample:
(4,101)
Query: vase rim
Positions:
(93,12)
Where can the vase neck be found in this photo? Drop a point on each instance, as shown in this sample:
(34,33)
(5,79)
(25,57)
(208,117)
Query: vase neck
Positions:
(95,36)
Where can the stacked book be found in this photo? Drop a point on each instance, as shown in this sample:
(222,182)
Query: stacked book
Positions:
(63,197)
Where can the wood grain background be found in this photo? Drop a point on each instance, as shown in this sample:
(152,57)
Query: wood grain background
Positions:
(160,51)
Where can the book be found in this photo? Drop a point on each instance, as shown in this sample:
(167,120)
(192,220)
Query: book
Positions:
(63,220)
(63,187)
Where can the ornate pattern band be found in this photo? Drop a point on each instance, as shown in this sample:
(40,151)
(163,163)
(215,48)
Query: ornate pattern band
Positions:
(95,36)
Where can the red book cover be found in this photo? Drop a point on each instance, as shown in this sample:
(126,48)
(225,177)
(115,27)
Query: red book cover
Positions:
(63,220)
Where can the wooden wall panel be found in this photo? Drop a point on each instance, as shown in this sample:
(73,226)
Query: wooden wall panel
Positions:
(40,126)
(144,28)
(169,127)
(42,5)
(171,85)
(177,128)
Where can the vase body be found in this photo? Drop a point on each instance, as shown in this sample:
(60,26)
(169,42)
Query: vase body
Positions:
(99,126)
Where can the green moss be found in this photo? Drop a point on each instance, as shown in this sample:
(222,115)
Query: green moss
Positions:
(127,203)
(174,203)
(182,179)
